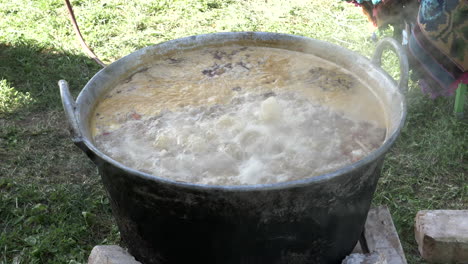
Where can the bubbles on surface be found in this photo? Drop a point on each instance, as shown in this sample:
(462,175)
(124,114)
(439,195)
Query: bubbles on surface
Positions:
(251,140)
(236,115)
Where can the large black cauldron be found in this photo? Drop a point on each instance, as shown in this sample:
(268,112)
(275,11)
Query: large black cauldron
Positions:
(314,220)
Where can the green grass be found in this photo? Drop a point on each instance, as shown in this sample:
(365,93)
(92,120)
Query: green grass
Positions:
(427,168)
(11,99)
(53,208)
(57,223)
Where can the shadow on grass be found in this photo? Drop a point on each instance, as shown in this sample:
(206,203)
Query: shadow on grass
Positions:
(52,207)
(33,69)
(34,141)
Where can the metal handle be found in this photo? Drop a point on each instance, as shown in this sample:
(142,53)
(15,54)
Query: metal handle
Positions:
(400,52)
(69,106)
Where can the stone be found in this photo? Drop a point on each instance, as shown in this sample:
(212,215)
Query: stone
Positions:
(371,258)
(381,235)
(442,235)
(110,255)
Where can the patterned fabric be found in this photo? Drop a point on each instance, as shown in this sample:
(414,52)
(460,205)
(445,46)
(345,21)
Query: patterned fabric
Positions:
(445,24)
(437,74)
(438,41)
(439,46)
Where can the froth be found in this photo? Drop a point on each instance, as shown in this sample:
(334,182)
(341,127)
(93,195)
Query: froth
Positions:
(254,139)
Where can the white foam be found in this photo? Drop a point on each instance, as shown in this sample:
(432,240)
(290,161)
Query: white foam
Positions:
(252,140)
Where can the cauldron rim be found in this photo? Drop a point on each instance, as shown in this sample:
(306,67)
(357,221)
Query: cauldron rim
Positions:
(341,172)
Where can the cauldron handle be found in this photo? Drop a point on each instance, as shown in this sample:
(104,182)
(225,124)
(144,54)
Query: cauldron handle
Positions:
(400,52)
(70,107)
